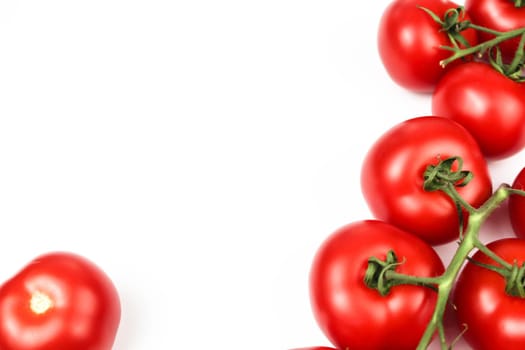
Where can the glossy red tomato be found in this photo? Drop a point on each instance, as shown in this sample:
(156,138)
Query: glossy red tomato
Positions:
(392,177)
(493,318)
(488,104)
(354,316)
(409,42)
(499,15)
(517,206)
(59,301)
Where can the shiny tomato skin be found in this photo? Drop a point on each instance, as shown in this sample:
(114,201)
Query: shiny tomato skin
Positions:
(409,42)
(354,316)
(488,104)
(59,301)
(499,15)
(493,319)
(517,206)
(392,177)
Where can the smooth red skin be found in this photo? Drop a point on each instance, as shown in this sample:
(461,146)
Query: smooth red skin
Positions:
(499,15)
(353,316)
(86,310)
(494,319)
(517,206)
(488,104)
(392,177)
(409,42)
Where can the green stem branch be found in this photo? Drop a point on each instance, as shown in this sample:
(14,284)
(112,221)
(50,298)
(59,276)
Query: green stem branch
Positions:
(485,250)
(454,23)
(399,278)
(451,191)
(480,49)
(467,245)
(485,29)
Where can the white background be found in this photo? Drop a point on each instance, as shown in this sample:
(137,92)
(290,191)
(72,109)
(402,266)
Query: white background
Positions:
(198,151)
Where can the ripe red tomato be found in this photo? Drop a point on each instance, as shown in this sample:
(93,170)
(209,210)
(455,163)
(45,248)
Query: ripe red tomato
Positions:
(493,318)
(409,42)
(354,316)
(499,15)
(392,177)
(517,206)
(59,301)
(488,104)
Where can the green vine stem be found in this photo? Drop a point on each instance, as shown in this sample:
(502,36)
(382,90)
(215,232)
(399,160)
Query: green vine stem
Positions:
(469,242)
(454,23)
(381,275)
(483,47)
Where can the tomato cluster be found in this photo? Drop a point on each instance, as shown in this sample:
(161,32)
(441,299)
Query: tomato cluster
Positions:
(379,283)
(491,107)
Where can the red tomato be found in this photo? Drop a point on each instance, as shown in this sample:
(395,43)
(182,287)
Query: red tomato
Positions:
(354,316)
(493,318)
(409,42)
(517,206)
(488,104)
(59,301)
(392,177)
(499,15)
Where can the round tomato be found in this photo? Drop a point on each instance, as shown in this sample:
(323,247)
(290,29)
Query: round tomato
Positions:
(392,177)
(492,318)
(355,316)
(499,15)
(59,301)
(409,42)
(517,206)
(488,104)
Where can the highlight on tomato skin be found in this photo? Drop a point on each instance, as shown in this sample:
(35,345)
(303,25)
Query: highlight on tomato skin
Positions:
(59,301)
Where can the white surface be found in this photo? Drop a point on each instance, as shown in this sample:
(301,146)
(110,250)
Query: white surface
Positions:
(198,151)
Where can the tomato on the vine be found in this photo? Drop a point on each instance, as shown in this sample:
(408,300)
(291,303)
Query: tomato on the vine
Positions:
(355,316)
(59,301)
(409,42)
(492,318)
(498,15)
(517,206)
(487,103)
(392,177)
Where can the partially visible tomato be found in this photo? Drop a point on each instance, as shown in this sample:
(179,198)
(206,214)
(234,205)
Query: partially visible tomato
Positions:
(498,15)
(59,301)
(492,318)
(354,316)
(409,42)
(517,206)
(392,177)
(487,103)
